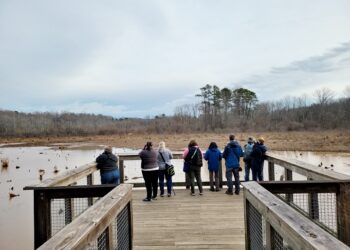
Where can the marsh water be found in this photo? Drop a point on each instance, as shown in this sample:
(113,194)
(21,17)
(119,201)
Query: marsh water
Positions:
(26,164)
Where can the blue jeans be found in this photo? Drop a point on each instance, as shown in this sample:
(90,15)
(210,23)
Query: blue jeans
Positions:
(247,167)
(110,177)
(235,172)
(169,182)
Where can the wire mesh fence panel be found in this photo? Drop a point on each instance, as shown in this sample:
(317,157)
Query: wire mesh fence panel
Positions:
(301,201)
(58,215)
(122,229)
(276,240)
(328,210)
(254,228)
(100,244)
(319,207)
(63,211)
(79,206)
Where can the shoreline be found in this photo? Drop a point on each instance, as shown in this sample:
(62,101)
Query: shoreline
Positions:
(321,141)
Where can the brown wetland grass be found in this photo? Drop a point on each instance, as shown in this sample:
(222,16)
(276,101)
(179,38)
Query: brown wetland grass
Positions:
(319,141)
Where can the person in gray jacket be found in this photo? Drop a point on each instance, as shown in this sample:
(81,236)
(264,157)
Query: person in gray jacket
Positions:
(107,163)
(150,170)
(164,156)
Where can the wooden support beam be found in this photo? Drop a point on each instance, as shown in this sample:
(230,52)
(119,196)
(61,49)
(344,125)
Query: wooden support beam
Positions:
(90,182)
(271,171)
(121,170)
(343,211)
(42,220)
(288,177)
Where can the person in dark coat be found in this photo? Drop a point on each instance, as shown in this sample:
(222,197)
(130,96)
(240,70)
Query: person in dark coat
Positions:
(195,159)
(232,154)
(213,156)
(257,158)
(150,170)
(107,163)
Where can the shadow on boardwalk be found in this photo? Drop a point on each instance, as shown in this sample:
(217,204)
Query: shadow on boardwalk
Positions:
(212,221)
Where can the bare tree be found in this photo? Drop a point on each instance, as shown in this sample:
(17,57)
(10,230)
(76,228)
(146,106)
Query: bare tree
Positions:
(324,96)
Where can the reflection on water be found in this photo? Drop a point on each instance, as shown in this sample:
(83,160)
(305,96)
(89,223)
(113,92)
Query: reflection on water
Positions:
(26,164)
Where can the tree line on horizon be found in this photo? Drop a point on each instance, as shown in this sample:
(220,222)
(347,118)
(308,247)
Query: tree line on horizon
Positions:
(216,110)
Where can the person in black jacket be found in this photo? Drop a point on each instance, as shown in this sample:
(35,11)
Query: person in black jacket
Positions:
(195,158)
(107,163)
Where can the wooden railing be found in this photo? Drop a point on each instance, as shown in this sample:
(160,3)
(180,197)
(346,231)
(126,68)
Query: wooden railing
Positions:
(105,225)
(311,172)
(271,223)
(59,187)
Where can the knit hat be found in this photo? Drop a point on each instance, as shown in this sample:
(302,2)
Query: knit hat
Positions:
(250,140)
(261,139)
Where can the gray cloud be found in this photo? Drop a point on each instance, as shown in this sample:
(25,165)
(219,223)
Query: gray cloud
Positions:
(145,57)
(334,59)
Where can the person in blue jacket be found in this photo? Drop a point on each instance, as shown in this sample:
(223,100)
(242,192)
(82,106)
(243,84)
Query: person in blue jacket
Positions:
(213,156)
(258,157)
(232,154)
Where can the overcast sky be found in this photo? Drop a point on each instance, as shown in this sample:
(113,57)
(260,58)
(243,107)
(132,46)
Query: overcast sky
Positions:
(137,58)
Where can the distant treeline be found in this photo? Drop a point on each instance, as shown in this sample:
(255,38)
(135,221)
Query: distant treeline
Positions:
(219,110)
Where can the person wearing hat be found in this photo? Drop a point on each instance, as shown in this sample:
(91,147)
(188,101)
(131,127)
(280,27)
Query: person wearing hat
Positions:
(257,158)
(107,163)
(248,149)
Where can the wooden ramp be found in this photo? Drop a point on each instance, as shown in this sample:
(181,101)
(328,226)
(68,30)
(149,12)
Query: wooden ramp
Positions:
(212,221)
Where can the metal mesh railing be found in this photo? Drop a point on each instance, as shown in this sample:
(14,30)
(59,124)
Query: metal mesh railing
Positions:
(319,207)
(276,240)
(254,228)
(63,211)
(122,229)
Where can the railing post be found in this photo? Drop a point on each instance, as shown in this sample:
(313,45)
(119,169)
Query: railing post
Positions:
(121,170)
(343,212)
(268,234)
(271,171)
(68,210)
(313,204)
(90,182)
(220,174)
(289,177)
(42,218)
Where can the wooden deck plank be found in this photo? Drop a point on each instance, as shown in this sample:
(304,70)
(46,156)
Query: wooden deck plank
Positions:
(212,221)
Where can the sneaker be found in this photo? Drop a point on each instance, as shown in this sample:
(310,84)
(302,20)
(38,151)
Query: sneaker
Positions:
(229,192)
(161,195)
(201,193)
(146,199)
(193,194)
(154,198)
(169,195)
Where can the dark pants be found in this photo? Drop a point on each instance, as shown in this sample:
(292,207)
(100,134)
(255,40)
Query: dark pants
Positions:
(151,183)
(257,170)
(195,171)
(110,177)
(169,183)
(211,181)
(235,172)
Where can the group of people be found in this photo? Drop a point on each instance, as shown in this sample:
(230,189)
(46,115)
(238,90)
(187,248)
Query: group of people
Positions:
(154,166)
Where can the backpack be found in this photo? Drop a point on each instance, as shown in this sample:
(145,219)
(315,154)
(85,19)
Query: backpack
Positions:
(195,157)
(248,149)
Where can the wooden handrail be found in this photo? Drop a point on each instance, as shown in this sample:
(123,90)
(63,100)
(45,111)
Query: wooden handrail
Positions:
(296,230)
(310,171)
(306,169)
(93,222)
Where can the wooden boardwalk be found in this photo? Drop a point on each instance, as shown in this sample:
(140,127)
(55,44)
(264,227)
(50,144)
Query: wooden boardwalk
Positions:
(212,221)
